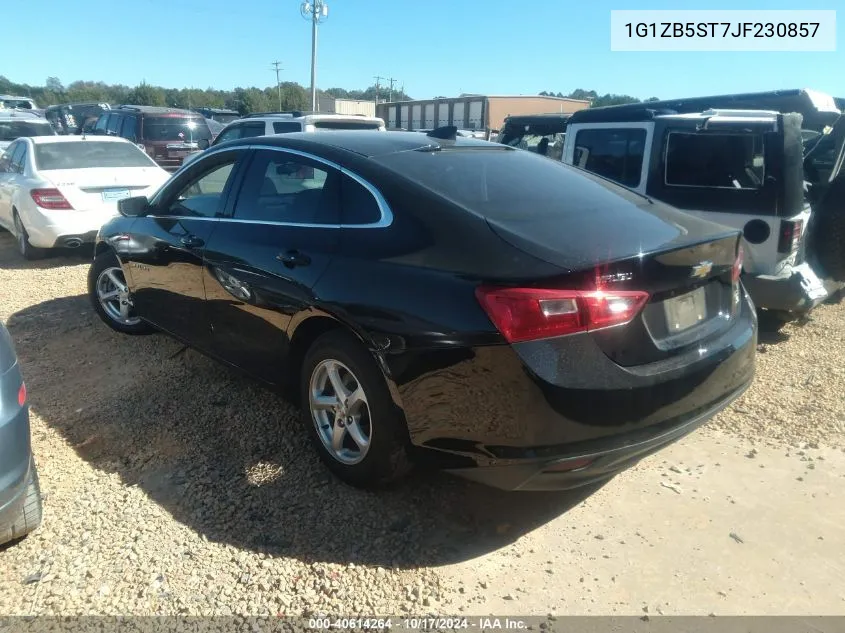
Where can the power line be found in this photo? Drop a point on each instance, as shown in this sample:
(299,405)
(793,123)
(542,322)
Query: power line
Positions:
(277,66)
(378,84)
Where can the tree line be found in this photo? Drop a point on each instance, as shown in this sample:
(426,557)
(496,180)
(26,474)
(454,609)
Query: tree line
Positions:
(596,99)
(244,100)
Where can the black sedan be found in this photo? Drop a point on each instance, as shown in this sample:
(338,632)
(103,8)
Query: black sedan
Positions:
(448,302)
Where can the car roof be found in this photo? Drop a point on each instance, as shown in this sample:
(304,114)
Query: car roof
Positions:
(153,110)
(12,115)
(367,143)
(538,118)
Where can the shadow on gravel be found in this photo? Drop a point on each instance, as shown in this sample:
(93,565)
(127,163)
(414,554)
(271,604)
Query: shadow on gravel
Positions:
(229,459)
(11,259)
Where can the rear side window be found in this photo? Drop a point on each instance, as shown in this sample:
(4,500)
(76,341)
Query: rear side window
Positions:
(284,127)
(728,161)
(328,124)
(101,123)
(359,205)
(130,128)
(616,154)
(253,129)
(113,124)
(19,158)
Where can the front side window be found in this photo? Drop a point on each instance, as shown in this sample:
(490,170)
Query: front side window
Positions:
(229,134)
(130,128)
(282,187)
(101,124)
(616,154)
(113,125)
(715,160)
(203,195)
(253,129)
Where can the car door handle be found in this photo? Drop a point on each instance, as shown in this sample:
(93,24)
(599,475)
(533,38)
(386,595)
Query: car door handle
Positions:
(192,241)
(292,259)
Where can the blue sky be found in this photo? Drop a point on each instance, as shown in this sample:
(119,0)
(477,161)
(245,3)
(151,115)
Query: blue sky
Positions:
(433,47)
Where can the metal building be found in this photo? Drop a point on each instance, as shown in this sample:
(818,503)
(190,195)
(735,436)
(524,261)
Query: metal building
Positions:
(330,105)
(470,111)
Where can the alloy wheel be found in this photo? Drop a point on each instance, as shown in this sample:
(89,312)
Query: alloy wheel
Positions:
(340,412)
(114,297)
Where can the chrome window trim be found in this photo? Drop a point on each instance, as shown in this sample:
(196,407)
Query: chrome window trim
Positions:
(386,212)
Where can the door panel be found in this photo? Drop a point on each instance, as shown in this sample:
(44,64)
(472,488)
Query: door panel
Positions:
(262,264)
(166,263)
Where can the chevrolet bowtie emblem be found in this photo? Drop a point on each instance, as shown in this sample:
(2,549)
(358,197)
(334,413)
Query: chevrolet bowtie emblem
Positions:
(701,270)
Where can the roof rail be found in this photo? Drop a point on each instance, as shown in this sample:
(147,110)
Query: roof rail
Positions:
(128,107)
(291,113)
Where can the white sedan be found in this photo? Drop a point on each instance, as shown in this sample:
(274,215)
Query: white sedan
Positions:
(57,191)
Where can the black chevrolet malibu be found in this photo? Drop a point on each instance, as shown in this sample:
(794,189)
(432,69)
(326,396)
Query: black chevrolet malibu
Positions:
(447,302)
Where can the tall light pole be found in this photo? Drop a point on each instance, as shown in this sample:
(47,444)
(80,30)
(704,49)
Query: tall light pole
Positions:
(277,66)
(317,11)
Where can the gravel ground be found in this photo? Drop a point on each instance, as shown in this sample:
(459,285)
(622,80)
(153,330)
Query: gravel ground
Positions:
(175,486)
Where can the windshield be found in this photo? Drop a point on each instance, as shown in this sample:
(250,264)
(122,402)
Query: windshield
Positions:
(10,130)
(346,125)
(23,104)
(542,139)
(176,128)
(89,155)
(225,119)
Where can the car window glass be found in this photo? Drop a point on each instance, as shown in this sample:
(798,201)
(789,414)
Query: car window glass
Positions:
(130,126)
(253,129)
(229,134)
(359,205)
(733,161)
(101,123)
(113,124)
(283,127)
(6,158)
(202,197)
(17,158)
(281,187)
(615,154)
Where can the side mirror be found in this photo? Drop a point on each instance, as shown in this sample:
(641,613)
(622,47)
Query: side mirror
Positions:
(135,207)
(203,144)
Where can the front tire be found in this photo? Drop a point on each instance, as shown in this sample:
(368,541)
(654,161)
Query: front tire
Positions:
(27,250)
(358,431)
(110,296)
(29,516)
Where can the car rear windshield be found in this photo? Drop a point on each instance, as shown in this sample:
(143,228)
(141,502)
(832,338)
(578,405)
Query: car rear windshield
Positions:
(175,128)
(503,184)
(346,125)
(89,155)
(10,130)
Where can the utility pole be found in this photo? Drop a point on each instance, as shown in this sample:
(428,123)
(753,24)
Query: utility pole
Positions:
(392,81)
(316,11)
(277,66)
(378,84)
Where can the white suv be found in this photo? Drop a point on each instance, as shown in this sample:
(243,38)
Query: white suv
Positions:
(269,123)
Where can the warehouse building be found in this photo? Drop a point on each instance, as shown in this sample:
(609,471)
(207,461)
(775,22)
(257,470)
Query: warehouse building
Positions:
(484,113)
(330,105)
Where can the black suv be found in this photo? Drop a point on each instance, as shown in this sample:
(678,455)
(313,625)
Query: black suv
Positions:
(166,134)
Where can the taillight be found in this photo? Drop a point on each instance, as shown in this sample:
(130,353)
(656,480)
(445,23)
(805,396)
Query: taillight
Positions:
(525,314)
(22,395)
(50,199)
(790,235)
(736,271)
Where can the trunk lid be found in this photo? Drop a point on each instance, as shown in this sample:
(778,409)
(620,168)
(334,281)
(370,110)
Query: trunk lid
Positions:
(100,189)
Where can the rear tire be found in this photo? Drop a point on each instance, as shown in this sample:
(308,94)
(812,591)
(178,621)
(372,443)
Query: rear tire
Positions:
(29,516)
(27,250)
(106,277)
(365,411)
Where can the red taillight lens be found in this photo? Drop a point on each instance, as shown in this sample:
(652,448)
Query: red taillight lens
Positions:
(50,199)
(790,235)
(525,314)
(22,395)
(737,268)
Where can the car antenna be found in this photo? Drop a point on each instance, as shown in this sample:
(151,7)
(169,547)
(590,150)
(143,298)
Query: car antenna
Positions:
(447,132)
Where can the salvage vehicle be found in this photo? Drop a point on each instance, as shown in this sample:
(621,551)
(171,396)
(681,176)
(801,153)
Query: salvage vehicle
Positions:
(220,115)
(20,493)
(168,135)
(12,102)
(71,118)
(440,300)
(760,162)
(56,191)
(540,133)
(15,124)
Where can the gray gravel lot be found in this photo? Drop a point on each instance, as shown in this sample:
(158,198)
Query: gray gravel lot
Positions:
(175,486)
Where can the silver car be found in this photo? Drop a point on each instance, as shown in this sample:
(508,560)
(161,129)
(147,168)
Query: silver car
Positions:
(20,495)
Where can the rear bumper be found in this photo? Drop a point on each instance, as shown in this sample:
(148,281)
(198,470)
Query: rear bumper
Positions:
(798,290)
(604,460)
(52,229)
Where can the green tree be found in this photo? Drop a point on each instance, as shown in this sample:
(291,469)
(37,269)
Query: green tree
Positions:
(145,94)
